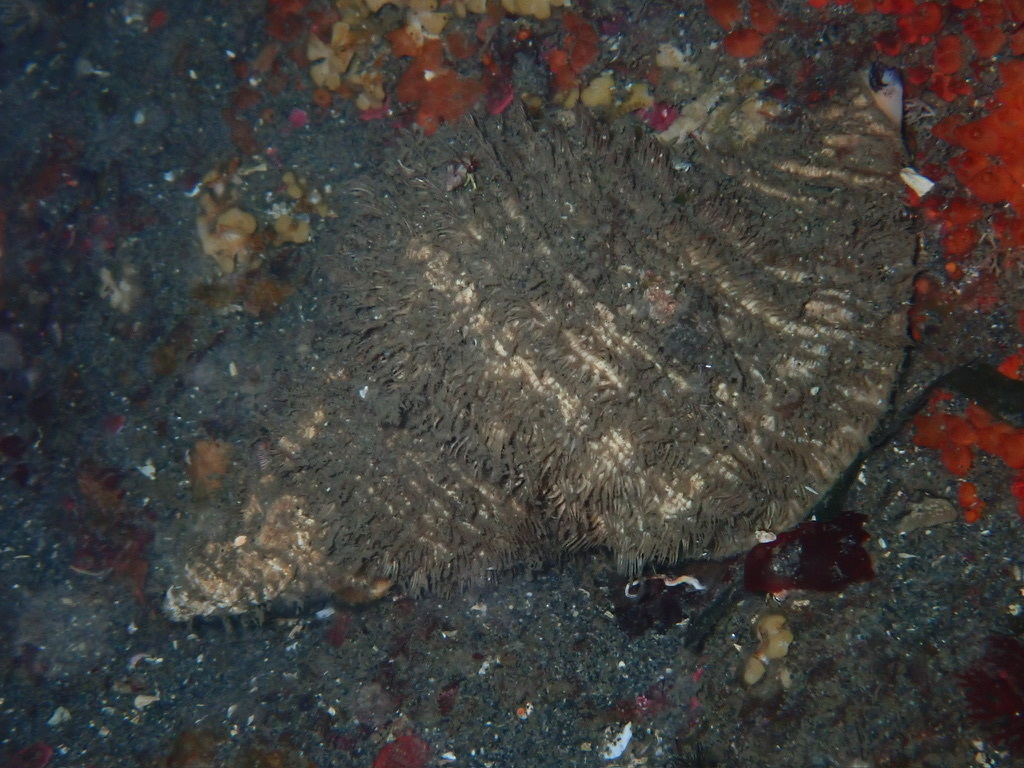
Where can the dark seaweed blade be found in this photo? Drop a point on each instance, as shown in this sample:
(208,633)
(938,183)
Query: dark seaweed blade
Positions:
(986,386)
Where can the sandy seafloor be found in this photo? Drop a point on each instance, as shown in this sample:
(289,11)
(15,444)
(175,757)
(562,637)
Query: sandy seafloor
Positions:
(105,128)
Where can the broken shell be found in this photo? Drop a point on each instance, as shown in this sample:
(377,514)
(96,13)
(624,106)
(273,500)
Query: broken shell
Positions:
(60,715)
(144,700)
(922,185)
(615,747)
(886,85)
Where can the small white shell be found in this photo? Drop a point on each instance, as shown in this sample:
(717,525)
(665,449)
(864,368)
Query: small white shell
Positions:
(887,90)
(613,749)
(922,185)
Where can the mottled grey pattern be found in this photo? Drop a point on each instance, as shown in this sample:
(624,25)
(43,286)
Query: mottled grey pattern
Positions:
(582,347)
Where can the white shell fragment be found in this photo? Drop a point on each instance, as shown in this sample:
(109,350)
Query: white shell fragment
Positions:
(144,700)
(614,749)
(886,85)
(684,579)
(60,715)
(922,185)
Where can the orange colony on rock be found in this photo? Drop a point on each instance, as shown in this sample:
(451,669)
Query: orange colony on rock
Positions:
(1011,74)
(460,45)
(949,54)
(968,164)
(1013,366)
(992,12)
(445,98)
(957,458)
(959,430)
(992,185)
(959,241)
(726,12)
(564,76)
(988,40)
(889,44)
(579,52)
(1011,449)
(929,430)
(960,212)
(919,75)
(1009,230)
(949,87)
(967,495)
(208,465)
(897,7)
(322,98)
(1009,122)
(945,128)
(1012,154)
(978,416)
(440,94)
(1017,42)
(581,41)
(985,135)
(743,43)
(403,43)
(921,23)
(764,16)
(991,437)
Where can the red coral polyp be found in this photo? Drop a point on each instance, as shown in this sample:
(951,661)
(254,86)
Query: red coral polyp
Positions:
(921,23)
(988,40)
(949,54)
(726,12)
(743,43)
(764,16)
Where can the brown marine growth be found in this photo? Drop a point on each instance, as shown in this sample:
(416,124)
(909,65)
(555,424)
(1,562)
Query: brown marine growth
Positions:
(586,348)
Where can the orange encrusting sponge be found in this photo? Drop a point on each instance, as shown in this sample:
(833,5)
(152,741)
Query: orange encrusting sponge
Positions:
(744,42)
(957,437)
(579,51)
(439,93)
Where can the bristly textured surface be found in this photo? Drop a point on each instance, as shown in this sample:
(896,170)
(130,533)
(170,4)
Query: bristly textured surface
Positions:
(580,347)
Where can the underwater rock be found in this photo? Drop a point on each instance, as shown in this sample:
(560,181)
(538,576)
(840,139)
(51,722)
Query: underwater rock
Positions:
(579,347)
